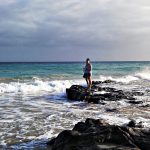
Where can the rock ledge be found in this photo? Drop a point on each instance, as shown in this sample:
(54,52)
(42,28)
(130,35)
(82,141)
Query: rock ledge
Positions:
(99,135)
(99,94)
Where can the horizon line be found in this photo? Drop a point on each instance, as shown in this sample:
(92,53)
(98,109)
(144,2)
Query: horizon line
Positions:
(73,61)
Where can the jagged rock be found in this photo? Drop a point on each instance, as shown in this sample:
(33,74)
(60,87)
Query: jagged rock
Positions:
(135,102)
(100,82)
(96,82)
(146,105)
(134,124)
(111,110)
(99,135)
(95,95)
(138,93)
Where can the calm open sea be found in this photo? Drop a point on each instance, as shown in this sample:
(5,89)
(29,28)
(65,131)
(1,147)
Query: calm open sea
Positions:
(34,107)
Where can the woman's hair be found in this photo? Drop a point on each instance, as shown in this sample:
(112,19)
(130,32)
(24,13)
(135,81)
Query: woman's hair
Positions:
(88,59)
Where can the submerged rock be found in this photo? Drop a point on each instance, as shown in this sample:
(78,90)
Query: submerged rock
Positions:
(99,135)
(98,94)
(146,105)
(134,124)
(135,102)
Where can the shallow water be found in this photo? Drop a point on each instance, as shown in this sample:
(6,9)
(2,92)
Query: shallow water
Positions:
(34,109)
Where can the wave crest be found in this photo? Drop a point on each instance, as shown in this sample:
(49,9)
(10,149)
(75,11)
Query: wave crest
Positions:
(36,86)
(125,79)
(144,74)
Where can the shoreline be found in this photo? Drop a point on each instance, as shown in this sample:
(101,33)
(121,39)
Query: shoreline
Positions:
(38,107)
(99,135)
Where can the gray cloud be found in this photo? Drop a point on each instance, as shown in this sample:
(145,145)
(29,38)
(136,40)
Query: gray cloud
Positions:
(47,30)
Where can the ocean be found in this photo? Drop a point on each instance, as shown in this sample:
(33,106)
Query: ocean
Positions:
(34,107)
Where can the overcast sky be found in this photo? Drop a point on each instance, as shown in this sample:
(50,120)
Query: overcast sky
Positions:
(71,30)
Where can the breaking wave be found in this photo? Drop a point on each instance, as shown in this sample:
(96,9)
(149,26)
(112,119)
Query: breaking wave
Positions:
(124,79)
(142,75)
(38,85)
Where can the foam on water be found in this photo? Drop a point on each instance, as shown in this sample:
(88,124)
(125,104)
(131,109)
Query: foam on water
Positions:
(114,119)
(125,79)
(37,109)
(101,92)
(36,86)
(144,74)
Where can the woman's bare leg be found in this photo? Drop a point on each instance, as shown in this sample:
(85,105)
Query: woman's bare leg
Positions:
(89,82)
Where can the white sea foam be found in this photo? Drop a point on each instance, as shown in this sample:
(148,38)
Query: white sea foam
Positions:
(100,92)
(124,79)
(144,74)
(47,135)
(37,86)
(48,117)
(114,119)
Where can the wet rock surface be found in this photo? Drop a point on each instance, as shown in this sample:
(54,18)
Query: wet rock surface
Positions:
(99,135)
(99,94)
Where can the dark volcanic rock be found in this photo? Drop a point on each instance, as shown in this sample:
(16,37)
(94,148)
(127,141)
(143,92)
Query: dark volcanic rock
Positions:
(134,124)
(146,105)
(76,92)
(79,93)
(100,82)
(135,102)
(111,110)
(138,93)
(99,135)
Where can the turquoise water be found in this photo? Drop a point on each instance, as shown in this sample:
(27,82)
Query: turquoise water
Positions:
(34,106)
(67,70)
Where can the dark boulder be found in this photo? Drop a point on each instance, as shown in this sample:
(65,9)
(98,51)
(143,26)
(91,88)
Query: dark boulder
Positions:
(135,102)
(76,92)
(134,124)
(99,135)
(111,110)
(146,105)
(98,94)
(100,82)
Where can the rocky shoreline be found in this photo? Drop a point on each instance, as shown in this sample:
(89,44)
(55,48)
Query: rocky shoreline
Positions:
(99,135)
(99,94)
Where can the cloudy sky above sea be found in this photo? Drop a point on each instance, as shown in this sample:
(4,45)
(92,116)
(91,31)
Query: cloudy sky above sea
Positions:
(71,30)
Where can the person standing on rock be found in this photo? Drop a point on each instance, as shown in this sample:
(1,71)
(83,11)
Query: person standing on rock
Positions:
(88,73)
